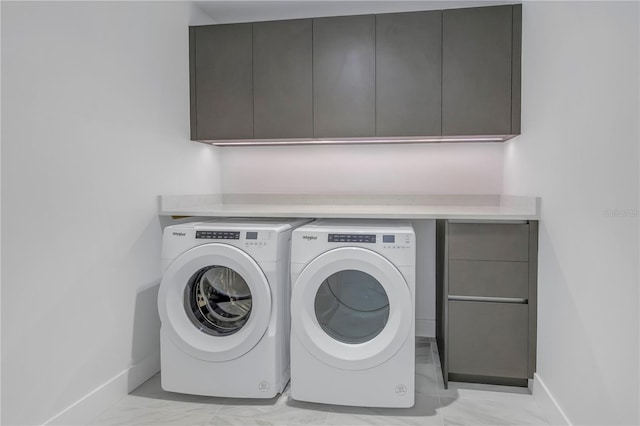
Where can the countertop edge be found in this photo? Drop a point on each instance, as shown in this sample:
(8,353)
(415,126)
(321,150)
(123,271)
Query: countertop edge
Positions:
(418,206)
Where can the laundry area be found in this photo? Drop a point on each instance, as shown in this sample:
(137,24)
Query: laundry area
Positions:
(320,212)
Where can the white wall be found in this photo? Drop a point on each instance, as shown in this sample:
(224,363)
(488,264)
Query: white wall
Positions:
(463,168)
(95,124)
(579,152)
(261,10)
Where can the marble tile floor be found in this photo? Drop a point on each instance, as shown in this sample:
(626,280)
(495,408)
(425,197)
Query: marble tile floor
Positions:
(461,404)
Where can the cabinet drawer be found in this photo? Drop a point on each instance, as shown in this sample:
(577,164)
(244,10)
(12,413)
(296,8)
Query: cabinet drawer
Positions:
(488,339)
(489,278)
(482,241)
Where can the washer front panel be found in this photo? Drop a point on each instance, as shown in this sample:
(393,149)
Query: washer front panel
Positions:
(193,335)
(373,348)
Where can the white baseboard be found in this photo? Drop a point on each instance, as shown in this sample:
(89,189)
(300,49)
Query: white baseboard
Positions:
(87,408)
(548,404)
(425,327)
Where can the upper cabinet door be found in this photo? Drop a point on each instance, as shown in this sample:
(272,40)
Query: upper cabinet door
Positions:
(344,76)
(409,74)
(282,73)
(479,57)
(221,82)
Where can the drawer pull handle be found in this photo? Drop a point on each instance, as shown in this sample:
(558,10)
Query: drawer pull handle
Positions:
(489,299)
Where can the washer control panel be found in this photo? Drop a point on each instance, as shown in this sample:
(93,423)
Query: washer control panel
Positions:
(217,235)
(257,239)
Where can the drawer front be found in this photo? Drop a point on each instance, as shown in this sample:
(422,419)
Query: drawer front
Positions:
(480,241)
(489,278)
(488,339)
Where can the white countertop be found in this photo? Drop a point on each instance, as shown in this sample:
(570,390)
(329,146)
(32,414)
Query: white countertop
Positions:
(378,206)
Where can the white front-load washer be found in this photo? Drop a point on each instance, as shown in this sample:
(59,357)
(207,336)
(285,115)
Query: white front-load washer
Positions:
(352,313)
(224,307)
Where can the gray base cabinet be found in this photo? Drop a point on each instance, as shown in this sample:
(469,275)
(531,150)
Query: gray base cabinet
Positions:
(487,301)
(488,339)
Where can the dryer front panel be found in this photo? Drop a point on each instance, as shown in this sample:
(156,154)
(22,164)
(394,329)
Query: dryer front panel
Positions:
(215,302)
(351,308)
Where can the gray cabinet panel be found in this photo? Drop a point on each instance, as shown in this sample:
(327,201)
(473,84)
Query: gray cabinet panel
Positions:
(344,76)
(442,292)
(489,278)
(408,73)
(223,82)
(476,67)
(479,241)
(282,70)
(428,73)
(533,295)
(488,339)
(516,69)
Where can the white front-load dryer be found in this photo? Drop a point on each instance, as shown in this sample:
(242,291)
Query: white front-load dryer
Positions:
(352,313)
(224,307)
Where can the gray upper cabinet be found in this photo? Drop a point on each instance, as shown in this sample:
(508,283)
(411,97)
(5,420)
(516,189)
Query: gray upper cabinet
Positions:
(408,73)
(282,74)
(425,74)
(344,76)
(221,82)
(481,70)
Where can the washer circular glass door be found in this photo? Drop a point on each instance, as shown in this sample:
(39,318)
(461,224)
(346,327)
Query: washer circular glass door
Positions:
(218,300)
(215,302)
(351,308)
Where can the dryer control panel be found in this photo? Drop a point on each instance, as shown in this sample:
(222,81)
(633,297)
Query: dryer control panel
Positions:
(400,241)
(352,238)
(385,241)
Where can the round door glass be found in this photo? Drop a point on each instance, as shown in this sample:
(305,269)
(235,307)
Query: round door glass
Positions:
(351,306)
(218,300)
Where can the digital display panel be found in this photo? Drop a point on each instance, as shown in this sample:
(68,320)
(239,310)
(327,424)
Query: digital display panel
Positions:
(252,235)
(388,238)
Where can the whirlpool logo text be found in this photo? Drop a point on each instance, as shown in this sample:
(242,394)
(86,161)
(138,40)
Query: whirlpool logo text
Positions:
(309,237)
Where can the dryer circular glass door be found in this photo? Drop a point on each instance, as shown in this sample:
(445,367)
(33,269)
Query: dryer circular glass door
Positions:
(215,302)
(351,308)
